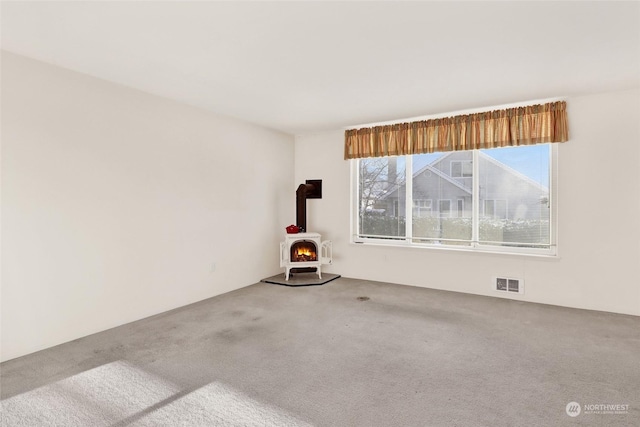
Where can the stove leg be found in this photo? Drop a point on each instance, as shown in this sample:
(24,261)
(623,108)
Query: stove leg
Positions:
(286,273)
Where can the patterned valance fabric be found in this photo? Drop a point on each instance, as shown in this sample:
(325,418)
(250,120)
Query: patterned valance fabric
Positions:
(534,124)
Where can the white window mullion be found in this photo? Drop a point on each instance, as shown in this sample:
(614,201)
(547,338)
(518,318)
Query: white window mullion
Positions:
(475,201)
(553,194)
(409,198)
(355,197)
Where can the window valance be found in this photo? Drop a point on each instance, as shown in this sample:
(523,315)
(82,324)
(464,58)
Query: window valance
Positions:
(534,124)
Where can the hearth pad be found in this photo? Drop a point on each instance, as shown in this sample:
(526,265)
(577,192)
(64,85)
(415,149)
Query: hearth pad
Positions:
(301,279)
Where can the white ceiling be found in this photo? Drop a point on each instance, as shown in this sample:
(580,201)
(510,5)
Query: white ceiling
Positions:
(309,66)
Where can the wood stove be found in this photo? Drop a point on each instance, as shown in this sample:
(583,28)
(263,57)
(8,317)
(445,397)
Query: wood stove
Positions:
(304,252)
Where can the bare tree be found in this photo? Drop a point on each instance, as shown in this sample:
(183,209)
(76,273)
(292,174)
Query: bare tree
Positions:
(378,177)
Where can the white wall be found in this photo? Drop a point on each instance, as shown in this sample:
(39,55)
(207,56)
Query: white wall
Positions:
(116,203)
(599,217)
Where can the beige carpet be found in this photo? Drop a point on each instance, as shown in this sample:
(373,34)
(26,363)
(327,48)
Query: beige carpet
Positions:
(348,353)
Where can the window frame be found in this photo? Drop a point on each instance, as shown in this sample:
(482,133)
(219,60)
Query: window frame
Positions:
(408,241)
(495,203)
(459,208)
(462,169)
(427,207)
(449,211)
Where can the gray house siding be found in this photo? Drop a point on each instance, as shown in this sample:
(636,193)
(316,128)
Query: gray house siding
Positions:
(442,193)
(523,198)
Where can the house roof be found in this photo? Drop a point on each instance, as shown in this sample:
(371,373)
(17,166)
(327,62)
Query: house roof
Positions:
(430,167)
(500,165)
(514,172)
(306,66)
(441,174)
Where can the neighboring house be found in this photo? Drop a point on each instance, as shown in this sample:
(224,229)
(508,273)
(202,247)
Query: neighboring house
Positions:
(443,188)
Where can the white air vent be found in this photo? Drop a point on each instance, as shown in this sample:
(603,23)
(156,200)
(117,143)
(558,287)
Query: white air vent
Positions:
(508,284)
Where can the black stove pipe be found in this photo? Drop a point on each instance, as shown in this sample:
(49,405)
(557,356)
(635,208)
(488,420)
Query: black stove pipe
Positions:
(301,205)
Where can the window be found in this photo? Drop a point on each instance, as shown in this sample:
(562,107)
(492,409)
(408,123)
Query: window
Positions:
(505,205)
(461,169)
(421,207)
(444,207)
(381,201)
(496,209)
(460,210)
